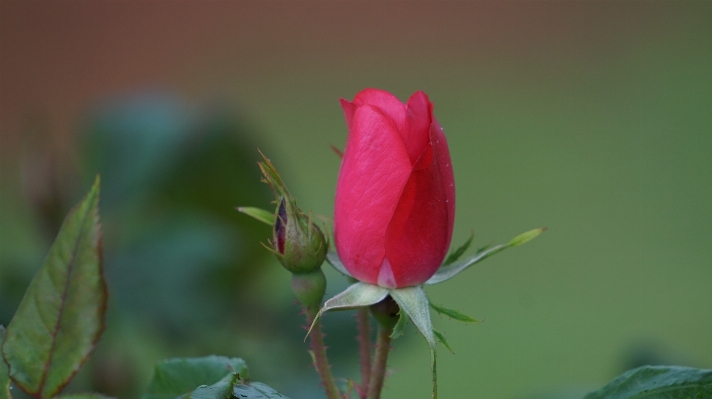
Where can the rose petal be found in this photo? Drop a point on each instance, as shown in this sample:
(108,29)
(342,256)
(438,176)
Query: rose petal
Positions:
(373,172)
(418,236)
(349,109)
(416,134)
(386,102)
(444,162)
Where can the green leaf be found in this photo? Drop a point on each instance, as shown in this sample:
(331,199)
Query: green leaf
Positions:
(219,390)
(256,390)
(442,340)
(355,296)
(449,271)
(175,377)
(658,382)
(83,396)
(453,314)
(400,325)
(262,215)
(455,255)
(61,316)
(4,371)
(233,386)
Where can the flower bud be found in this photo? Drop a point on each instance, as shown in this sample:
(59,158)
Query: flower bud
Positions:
(298,243)
(395,196)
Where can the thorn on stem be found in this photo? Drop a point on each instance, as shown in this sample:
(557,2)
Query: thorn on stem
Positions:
(337,151)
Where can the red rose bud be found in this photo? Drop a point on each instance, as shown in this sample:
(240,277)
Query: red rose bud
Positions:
(395,196)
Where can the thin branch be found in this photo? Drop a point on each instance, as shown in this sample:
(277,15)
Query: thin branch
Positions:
(321,362)
(364,345)
(378,371)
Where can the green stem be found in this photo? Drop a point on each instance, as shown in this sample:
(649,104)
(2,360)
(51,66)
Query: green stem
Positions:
(378,371)
(321,362)
(364,344)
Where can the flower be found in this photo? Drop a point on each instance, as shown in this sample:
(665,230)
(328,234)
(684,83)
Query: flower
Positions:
(395,196)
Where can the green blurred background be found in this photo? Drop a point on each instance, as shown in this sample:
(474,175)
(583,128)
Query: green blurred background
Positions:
(591,118)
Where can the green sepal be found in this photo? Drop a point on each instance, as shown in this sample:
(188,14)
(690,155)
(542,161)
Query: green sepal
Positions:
(414,302)
(650,382)
(333,259)
(4,371)
(262,215)
(453,314)
(456,254)
(272,177)
(525,237)
(400,325)
(355,296)
(441,337)
(450,271)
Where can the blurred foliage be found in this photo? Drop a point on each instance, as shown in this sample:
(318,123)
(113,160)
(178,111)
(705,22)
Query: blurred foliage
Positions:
(658,382)
(175,377)
(184,268)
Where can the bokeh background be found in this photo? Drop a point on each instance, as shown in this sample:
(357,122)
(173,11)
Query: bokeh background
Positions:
(591,118)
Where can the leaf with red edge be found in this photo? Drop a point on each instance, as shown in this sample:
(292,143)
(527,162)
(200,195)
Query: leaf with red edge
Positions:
(61,316)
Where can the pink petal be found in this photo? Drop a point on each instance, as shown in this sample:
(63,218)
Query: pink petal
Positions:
(386,102)
(418,236)
(349,109)
(416,134)
(444,162)
(373,172)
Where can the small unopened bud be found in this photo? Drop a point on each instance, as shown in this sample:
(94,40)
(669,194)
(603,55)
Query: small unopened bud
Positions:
(298,243)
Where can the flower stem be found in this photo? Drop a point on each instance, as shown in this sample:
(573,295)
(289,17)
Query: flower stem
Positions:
(378,371)
(364,343)
(321,362)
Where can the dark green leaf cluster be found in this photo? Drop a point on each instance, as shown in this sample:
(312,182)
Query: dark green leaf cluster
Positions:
(210,377)
(175,377)
(61,318)
(658,382)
